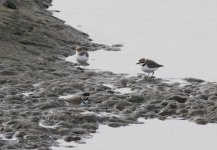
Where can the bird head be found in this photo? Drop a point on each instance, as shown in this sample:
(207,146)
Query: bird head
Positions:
(85,96)
(78,49)
(141,61)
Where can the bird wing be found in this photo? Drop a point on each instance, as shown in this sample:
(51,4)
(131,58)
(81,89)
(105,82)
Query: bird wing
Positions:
(84,53)
(152,64)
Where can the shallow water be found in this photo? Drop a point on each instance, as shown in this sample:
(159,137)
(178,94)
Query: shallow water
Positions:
(152,135)
(179,34)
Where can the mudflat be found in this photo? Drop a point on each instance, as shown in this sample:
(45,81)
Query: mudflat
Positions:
(34,74)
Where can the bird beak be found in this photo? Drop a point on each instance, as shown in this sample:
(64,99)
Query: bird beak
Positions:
(138,63)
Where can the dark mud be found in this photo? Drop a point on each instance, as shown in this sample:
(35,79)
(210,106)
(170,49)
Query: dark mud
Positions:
(34,73)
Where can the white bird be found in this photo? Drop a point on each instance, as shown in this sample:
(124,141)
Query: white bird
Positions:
(81,56)
(77,100)
(149,66)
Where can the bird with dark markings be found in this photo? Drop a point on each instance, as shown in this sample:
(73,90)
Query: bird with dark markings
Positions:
(82,56)
(77,100)
(149,66)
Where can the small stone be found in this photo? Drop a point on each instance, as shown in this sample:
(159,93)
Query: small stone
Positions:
(8,73)
(200,120)
(116,124)
(212,98)
(178,98)
(11,4)
(124,82)
(117,45)
(121,105)
(136,98)
(182,111)
(194,80)
(1,143)
(197,112)
(79,131)
(167,112)
(164,103)
(20,134)
(71,138)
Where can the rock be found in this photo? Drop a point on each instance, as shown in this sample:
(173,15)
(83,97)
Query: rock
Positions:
(79,131)
(167,112)
(121,105)
(212,98)
(1,143)
(11,4)
(136,98)
(8,73)
(200,120)
(20,134)
(151,107)
(87,118)
(109,103)
(187,90)
(172,105)
(194,80)
(178,98)
(124,82)
(9,135)
(203,96)
(182,111)
(64,131)
(72,138)
(90,126)
(112,49)
(116,124)
(44,3)
(117,45)
(51,104)
(197,112)
(164,103)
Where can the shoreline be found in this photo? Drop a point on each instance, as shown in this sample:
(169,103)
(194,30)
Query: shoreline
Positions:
(33,74)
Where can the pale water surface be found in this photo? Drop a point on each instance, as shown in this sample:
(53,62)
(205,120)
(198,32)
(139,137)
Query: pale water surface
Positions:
(152,135)
(180,34)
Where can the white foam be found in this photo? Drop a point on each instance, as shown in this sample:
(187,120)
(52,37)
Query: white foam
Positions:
(119,90)
(66,96)
(27,93)
(109,86)
(12,139)
(46,126)
(101,114)
(36,84)
(124,90)
(181,82)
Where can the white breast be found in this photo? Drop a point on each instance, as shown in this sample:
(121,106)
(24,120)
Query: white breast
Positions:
(81,59)
(147,69)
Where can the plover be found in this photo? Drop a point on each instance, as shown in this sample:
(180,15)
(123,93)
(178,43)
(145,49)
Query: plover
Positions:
(149,66)
(81,56)
(76,100)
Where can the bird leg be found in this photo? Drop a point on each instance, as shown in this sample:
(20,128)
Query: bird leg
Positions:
(145,77)
(75,111)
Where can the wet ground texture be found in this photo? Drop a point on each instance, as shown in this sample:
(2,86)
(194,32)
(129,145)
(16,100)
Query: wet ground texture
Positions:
(34,73)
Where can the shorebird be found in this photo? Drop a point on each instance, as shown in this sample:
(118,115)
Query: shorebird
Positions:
(149,66)
(77,100)
(81,56)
